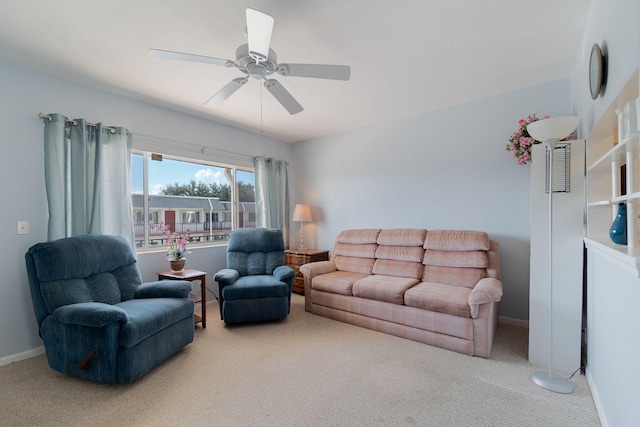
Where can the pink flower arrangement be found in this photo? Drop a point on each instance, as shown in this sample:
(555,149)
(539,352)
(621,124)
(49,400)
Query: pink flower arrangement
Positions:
(520,142)
(176,243)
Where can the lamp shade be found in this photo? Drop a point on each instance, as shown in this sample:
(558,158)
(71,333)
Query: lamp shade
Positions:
(555,128)
(302,213)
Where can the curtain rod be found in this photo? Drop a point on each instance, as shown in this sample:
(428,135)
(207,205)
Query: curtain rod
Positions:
(201,147)
(75,122)
(191,144)
(175,141)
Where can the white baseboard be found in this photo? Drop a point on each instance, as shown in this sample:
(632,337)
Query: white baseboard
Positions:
(12,358)
(513,321)
(596,399)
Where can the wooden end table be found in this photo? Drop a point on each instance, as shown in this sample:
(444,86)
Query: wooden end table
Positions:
(191,275)
(294,258)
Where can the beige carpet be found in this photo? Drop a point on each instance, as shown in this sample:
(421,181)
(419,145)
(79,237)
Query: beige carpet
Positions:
(304,371)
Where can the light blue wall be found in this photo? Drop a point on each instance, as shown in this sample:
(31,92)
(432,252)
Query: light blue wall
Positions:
(443,169)
(25,94)
(613,334)
(613,24)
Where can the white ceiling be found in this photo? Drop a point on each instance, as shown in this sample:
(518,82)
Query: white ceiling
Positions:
(406,56)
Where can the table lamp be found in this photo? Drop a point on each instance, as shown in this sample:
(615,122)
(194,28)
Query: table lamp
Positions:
(302,213)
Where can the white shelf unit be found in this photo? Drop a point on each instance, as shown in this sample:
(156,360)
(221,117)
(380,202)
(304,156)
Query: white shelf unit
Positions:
(603,181)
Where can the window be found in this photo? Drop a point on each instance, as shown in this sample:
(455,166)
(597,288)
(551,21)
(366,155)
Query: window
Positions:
(207,199)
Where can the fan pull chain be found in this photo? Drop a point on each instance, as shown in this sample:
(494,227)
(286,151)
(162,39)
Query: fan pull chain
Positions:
(261,90)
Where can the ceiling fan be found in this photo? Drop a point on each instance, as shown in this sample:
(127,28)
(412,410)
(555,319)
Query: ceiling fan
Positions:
(256,59)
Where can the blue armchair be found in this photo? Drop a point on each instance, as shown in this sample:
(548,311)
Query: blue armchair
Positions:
(256,285)
(97,319)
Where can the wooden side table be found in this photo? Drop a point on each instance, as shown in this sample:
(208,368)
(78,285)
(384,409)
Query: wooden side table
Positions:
(294,258)
(191,275)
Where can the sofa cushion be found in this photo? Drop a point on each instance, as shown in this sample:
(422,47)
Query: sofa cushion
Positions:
(457,240)
(80,257)
(101,287)
(358,237)
(259,286)
(338,282)
(439,297)
(401,253)
(354,265)
(252,263)
(402,237)
(367,250)
(104,288)
(397,268)
(150,316)
(455,276)
(57,293)
(355,251)
(383,288)
(443,323)
(474,259)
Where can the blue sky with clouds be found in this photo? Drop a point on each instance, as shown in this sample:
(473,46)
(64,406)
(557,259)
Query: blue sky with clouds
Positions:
(169,172)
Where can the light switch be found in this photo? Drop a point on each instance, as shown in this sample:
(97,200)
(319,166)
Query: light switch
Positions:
(23,227)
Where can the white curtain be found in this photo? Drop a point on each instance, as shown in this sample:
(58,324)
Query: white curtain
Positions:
(272,195)
(87,178)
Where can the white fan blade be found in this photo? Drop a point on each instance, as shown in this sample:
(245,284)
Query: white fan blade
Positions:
(317,71)
(283,96)
(226,92)
(167,54)
(259,29)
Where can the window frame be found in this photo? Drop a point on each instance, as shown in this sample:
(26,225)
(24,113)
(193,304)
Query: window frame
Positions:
(199,160)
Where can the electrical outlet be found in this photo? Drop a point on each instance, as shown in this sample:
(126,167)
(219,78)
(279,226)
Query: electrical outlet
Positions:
(23,227)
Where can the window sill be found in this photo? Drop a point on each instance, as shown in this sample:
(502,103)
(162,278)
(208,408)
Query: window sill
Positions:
(162,248)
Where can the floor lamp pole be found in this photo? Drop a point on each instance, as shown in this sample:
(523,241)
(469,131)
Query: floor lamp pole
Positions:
(549,380)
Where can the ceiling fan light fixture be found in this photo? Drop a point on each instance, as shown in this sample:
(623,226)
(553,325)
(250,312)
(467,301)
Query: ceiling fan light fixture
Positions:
(259,29)
(257,71)
(257,60)
(243,59)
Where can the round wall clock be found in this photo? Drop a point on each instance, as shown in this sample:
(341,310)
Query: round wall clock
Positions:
(596,71)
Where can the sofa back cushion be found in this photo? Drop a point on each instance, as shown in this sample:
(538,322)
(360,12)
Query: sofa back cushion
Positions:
(455,257)
(400,253)
(355,250)
(255,251)
(88,268)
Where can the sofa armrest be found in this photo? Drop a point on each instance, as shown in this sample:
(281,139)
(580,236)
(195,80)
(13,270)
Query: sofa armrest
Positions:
(486,291)
(284,273)
(164,289)
(95,314)
(226,276)
(310,270)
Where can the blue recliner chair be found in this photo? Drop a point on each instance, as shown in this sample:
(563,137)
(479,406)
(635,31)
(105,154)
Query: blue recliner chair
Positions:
(256,285)
(97,319)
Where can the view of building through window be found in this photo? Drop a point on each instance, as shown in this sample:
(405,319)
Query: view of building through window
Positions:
(207,200)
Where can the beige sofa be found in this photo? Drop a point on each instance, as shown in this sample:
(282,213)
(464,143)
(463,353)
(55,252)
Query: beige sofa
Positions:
(438,287)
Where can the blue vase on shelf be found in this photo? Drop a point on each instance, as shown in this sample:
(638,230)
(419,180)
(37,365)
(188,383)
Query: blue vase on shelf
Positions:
(618,230)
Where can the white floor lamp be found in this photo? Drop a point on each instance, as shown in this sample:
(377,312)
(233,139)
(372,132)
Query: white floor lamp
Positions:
(550,131)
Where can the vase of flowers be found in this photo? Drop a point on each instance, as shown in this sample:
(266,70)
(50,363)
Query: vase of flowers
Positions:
(177,265)
(520,142)
(176,248)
